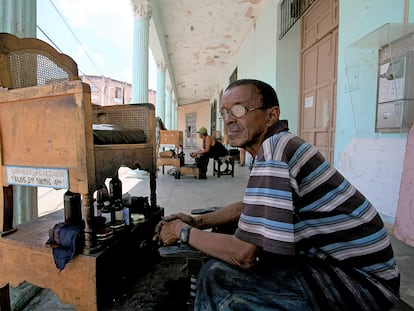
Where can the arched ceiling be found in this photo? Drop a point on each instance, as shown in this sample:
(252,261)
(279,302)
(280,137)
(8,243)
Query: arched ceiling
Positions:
(198,40)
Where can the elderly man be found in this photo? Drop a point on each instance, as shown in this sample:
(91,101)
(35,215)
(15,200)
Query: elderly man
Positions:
(306,238)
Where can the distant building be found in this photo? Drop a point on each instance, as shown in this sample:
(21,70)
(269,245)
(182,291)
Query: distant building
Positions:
(106,91)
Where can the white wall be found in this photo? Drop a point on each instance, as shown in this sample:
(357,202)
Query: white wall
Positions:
(257,56)
(287,76)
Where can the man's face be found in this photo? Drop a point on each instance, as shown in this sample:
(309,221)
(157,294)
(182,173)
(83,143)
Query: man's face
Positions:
(248,130)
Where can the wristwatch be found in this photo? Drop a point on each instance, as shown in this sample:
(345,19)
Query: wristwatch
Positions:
(185,235)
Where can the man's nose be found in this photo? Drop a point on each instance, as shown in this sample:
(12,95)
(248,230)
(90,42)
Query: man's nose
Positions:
(229,118)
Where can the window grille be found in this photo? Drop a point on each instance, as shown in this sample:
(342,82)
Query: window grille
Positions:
(290,12)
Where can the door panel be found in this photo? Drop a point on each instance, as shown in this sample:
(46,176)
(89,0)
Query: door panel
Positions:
(324,62)
(309,72)
(320,20)
(318,76)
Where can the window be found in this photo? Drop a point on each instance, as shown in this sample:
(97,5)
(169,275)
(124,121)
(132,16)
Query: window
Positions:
(94,87)
(118,92)
(290,12)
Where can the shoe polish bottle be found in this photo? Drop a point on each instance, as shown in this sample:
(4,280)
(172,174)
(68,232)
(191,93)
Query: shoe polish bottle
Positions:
(72,208)
(102,195)
(115,194)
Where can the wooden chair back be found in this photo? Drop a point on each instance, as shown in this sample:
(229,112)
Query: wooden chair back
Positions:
(31,62)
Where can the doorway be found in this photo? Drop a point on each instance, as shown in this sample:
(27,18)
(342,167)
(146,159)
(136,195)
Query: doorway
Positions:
(190,130)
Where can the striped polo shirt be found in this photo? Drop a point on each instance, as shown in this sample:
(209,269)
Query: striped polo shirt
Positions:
(297,204)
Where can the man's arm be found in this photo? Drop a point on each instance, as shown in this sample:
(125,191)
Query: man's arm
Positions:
(223,246)
(222,216)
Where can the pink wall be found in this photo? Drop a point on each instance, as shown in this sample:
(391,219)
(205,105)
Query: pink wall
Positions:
(404,223)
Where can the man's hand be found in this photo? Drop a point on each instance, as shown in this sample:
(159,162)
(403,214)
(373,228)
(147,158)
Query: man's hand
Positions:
(188,219)
(168,234)
(170,231)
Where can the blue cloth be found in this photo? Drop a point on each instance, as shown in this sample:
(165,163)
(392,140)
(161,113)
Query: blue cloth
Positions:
(67,239)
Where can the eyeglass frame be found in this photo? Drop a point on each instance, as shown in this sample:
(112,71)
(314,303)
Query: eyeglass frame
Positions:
(230,112)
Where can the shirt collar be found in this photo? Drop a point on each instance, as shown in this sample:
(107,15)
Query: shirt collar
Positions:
(280,126)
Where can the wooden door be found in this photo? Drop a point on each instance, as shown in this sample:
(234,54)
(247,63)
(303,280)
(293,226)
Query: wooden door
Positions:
(318,76)
(190,130)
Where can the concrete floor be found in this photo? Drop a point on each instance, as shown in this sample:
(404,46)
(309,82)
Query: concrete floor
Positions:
(183,195)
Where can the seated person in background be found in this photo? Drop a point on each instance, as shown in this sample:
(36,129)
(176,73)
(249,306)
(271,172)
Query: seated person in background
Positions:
(306,238)
(211,149)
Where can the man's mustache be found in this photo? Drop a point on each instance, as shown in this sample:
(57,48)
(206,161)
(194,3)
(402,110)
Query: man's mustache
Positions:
(233,127)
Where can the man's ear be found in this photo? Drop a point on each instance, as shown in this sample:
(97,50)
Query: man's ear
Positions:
(273,114)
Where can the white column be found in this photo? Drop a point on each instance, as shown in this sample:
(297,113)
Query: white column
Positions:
(160,99)
(18,17)
(173,115)
(168,107)
(176,114)
(142,15)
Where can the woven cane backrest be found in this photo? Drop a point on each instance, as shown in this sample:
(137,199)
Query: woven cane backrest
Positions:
(31,62)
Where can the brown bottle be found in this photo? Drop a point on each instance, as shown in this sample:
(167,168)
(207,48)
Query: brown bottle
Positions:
(72,208)
(115,189)
(115,193)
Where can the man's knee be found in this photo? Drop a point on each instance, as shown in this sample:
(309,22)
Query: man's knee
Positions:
(212,272)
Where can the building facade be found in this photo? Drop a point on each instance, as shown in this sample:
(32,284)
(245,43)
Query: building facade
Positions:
(106,91)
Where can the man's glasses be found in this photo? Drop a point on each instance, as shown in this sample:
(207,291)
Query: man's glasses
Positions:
(237,111)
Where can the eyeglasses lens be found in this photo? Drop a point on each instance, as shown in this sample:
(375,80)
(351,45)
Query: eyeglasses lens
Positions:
(236,111)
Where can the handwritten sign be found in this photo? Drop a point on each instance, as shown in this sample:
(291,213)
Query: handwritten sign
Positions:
(38,177)
(309,102)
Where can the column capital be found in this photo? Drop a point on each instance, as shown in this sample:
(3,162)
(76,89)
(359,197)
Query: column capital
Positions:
(141,9)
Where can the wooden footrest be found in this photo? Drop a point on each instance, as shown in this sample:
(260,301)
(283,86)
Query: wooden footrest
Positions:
(189,169)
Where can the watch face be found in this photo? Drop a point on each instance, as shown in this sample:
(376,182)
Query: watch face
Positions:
(184,235)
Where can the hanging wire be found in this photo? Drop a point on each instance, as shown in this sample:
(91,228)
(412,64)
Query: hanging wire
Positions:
(60,51)
(50,40)
(76,38)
